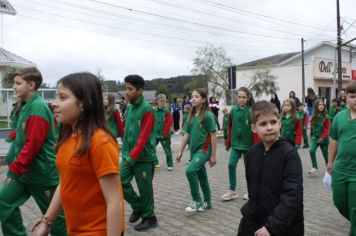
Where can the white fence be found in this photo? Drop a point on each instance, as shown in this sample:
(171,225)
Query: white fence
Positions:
(7,98)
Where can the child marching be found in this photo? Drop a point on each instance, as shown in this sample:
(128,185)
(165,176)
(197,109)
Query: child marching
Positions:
(200,129)
(240,137)
(112,116)
(303,116)
(291,125)
(162,129)
(88,163)
(319,131)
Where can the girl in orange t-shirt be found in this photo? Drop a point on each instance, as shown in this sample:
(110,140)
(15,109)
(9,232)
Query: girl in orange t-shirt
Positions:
(89,191)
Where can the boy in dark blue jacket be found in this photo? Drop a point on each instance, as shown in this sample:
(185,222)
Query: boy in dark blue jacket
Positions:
(274,180)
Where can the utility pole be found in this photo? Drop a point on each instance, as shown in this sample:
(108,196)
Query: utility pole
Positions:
(339,63)
(303,73)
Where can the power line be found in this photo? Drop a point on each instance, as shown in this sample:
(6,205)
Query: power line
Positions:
(191,22)
(241,11)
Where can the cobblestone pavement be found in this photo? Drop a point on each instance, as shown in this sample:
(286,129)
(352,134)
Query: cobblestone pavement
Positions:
(172,195)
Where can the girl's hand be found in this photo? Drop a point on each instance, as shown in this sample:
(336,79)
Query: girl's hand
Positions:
(212,161)
(179,157)
(40,229)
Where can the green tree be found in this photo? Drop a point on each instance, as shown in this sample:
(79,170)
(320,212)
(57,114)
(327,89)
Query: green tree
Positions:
(199,81)
(8,79)
(163,88)
(263,82)
(213,62)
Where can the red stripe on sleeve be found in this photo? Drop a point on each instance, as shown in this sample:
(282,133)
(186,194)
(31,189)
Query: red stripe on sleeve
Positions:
(37,130)
(12,135)
(120,126)
(229,128)
(167,124)
(326,129)
(148,122)
(298,132)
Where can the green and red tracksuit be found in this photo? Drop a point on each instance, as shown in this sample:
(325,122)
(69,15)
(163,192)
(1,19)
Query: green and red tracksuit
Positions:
(138,156)
(162,130)
(343,130)
(115,123)
(333,110)
(319,132)
(302,115)
(225,126)
(10,156)
(200,152)
(239,139)
(33,171)
(292,130)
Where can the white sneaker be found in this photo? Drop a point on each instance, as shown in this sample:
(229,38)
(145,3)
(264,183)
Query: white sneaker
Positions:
(229,195)
(313,171)
(245,197)
(195,207)
(170,168)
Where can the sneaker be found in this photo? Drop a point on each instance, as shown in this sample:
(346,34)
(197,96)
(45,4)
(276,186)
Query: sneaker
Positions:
(146,224)
(207,205)
(245,197)
(229,195)
(195,207)
(157,165)
(313,171)
(306,146)
(187,162)
(219,132)
(135,216)
(170,168)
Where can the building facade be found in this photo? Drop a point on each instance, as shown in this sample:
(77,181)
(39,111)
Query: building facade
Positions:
(318,66)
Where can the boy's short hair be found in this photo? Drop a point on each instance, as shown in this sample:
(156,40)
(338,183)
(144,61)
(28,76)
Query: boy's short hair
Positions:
(261,108)
(161,95)
(137,81)
(30,74)
(333,100)
(351,87)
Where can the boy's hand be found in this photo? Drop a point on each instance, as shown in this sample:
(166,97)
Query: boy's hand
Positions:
(329,168)
(179,157)
(212,161)
(262,232)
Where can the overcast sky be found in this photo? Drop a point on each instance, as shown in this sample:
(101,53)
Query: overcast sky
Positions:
(158,38)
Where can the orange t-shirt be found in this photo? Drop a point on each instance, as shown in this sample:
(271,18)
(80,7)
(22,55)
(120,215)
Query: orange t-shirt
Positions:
(82,199)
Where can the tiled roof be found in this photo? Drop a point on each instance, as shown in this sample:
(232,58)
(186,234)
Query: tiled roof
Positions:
(269,61)
(9,59)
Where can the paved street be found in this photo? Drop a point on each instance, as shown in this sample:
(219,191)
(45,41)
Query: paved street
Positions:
(172,195)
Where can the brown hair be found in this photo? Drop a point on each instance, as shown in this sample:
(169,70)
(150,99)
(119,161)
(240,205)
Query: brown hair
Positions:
(30,74)
(351,87)
(250,99)
(205,106)
(316,114)
(262,108)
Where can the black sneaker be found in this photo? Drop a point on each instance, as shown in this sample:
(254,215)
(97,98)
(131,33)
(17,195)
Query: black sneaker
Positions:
(306,146)
(147,224)
(135,216)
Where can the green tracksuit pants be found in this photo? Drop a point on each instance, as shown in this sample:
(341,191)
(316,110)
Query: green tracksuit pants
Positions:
(166,145)
(235,155)
(305,136)
(143,173)
(312,151)
(196,174)
(15,194)
(344,195)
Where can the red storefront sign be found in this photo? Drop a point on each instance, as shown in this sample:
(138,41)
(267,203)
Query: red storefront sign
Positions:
(353,74)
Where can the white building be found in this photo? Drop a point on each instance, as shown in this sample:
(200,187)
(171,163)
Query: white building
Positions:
(319,67)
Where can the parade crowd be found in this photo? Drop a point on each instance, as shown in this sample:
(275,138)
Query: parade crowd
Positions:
(66,156)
